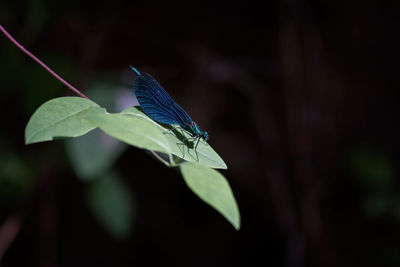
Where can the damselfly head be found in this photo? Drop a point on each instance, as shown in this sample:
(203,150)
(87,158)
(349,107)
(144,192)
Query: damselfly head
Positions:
(204,135)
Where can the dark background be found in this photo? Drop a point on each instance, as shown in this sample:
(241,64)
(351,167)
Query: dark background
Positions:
(299,99)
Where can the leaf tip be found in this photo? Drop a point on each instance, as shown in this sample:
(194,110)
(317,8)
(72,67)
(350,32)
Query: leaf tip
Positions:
(237,224)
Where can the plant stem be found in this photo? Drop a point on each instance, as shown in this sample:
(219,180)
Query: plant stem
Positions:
(41,63)
(161,159)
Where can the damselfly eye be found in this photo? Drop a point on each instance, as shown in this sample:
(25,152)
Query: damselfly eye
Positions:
(205,136)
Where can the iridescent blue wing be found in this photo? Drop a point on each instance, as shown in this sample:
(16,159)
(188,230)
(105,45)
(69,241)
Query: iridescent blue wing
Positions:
(157,103)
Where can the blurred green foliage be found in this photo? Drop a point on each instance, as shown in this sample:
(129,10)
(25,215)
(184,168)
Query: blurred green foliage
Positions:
(92,157)
(15,179)
(111,202)
(373,169)
(93,153)
(375,172)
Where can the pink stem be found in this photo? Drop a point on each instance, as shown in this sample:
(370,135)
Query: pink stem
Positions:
(41,63)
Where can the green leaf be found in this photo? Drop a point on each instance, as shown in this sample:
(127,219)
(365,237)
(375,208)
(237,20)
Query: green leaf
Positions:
(212,188)
(112,204)
(75,116)
(60,117)
(93,153)
(204,153)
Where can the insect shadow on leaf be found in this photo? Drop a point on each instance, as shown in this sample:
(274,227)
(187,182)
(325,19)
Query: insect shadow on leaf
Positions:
(189,142)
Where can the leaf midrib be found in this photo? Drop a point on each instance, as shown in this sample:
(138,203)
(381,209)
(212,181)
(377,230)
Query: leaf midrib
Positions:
(161,144)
